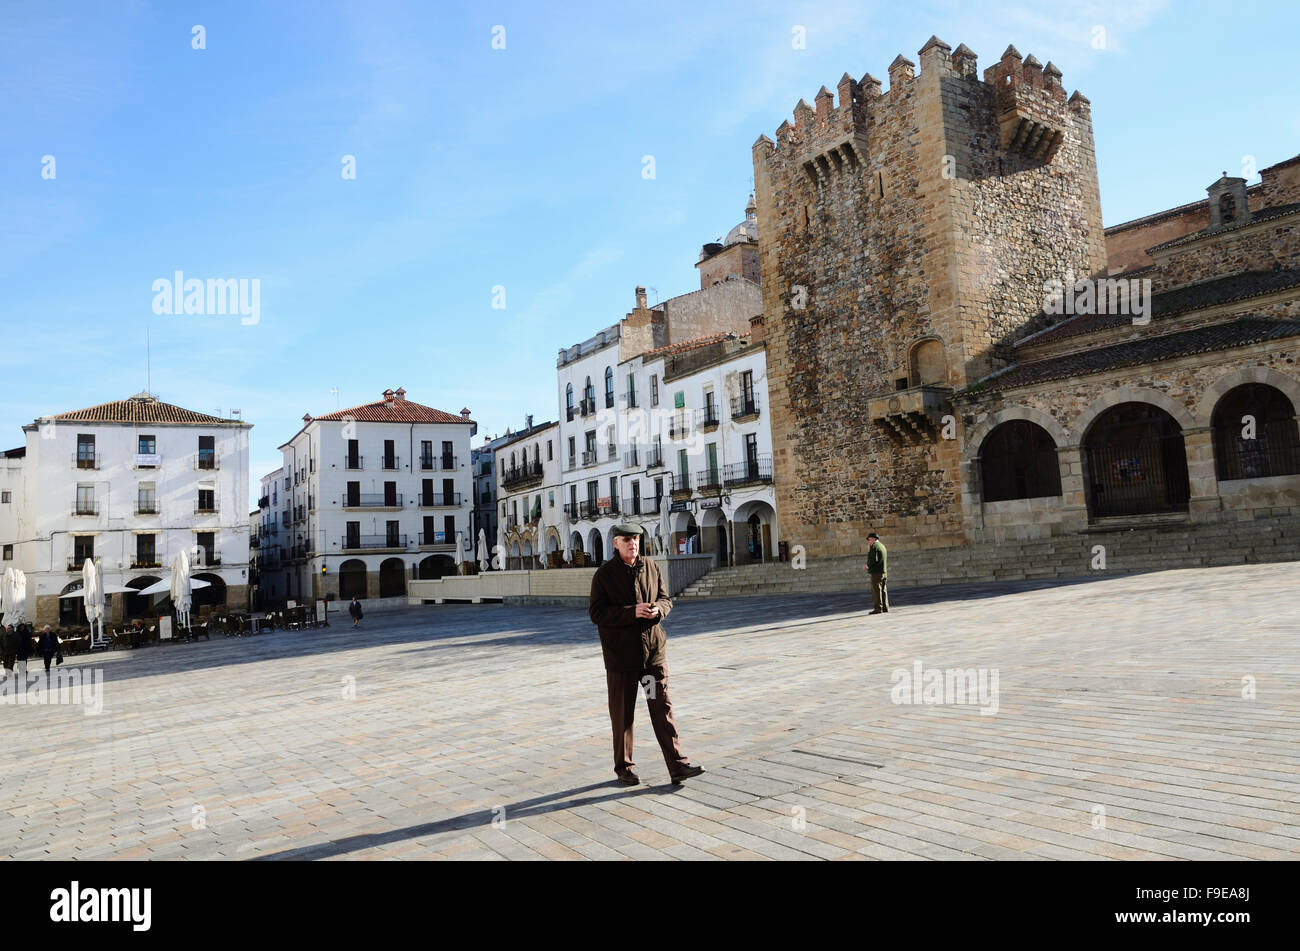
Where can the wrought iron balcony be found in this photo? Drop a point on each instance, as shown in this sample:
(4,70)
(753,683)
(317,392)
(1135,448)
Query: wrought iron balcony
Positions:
(390,462)
(439,499)
(708,480)
(354,462)
(758,469)
(521,475)
(744,407)
(361,542)
(86,460)
(378,500)
(85,508)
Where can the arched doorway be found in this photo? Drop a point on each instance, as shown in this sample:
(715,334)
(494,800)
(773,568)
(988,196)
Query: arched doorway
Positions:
(1255,434)
(392,578)
(352,579)
(213,597)
(139,605)
(597,547)
(1135,462)
(436,566)
(1018,461)
(714,534)
(72,611)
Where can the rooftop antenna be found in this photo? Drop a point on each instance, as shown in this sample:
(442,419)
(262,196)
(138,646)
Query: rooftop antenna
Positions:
(148,366)
(335,391)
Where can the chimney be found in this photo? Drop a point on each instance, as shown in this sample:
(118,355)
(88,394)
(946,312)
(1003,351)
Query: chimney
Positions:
(464,414)
(529,418)
(401,393)
(640,298)
(756,328)
(388,396)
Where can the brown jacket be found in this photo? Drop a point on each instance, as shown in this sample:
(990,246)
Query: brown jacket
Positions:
(627,641)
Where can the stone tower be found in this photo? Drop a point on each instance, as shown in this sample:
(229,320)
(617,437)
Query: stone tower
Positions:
(905,238)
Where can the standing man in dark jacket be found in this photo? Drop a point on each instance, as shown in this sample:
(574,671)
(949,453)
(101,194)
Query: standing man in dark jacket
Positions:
(354,609)
(629,600)
(876,565)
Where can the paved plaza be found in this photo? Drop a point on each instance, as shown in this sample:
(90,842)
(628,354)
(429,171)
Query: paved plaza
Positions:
(1144,717)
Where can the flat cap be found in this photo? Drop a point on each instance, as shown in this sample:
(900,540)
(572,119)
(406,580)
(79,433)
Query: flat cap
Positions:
(626,528)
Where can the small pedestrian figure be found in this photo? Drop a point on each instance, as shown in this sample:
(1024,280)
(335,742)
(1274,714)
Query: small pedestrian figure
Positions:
(9,648)
(137,632)
(876,567)
(23,649)
(48,646)
(355,610)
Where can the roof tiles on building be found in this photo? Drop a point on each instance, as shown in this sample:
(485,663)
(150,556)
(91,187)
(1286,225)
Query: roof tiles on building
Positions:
(1150,349)
(141,408)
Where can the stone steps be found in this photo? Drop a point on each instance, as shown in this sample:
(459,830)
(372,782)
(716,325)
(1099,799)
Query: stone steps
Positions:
(1135,550)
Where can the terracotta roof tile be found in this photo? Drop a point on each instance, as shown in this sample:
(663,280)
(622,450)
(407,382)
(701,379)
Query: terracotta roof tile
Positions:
(141,408)
(1181,300)
(691,344)
(1150,349)
(398,411)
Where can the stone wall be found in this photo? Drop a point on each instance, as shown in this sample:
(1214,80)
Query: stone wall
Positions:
(724,307)
(1254,246)
(886,221)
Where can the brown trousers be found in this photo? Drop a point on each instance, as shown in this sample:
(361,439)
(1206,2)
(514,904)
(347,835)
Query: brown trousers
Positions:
(879,592)
(622,709)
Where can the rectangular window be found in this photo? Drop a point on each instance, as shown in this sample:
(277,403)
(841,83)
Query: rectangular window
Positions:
(551,501)
(430,532)
(353,460)
(393,538)
(549,456)
(145,552)
(146,499)
(654,389)
(712,451)
(148,445)
(206,542)
(449,528)
(448,460)
(390,454)
(85,452)
(354,494)
(83,547)
(390,494)
(449,492)
(207,500)
(426,454)
(9,553)
(85,500)
(679,399)
(4,497)
(353,539)
(207,452)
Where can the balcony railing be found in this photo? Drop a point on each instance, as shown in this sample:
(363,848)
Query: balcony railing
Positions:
(354,462)
(148,563)
(631,458)
(708,480)
(85,508)
(743,407)
(358,542)
(205,508)
(439,499)
(630,399)
(77,563)
(572,509)
(681,483)
(86,460)
(707,418)
(431,538)
(654,458)
(512,522)
(434,463)
(753,470)
(645,505)
(679,425)
(589,457)
(146,508)
(519,475)
(390,462)
(609,399)
(592,508)
(372,500)
(587,406)
(204,459)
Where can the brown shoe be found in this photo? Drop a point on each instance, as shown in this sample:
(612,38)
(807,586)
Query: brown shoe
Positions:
(687,773)
(629,778)
(877,611)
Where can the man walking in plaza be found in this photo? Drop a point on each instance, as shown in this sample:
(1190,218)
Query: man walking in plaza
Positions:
(628,603)
(876,567)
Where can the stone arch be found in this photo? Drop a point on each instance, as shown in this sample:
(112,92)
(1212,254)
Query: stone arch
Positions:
(352,579)
(1220,388)
(1272,445)
(1135,461)
(1018,460)
(927,363)
(1129,394)
(392,578)
(975,438)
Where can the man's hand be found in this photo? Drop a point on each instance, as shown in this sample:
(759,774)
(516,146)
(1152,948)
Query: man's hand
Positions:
(647,609)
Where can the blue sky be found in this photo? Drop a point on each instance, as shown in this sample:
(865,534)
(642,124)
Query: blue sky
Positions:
(475,167)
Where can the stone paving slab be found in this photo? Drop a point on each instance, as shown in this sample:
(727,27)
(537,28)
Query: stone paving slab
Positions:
(1140,717)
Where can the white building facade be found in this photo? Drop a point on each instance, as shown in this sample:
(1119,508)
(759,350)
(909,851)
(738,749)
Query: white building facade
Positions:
(129,483)
(530,505)
(373,496)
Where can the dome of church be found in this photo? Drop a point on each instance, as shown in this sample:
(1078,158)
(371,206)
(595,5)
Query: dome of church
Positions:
(747,230)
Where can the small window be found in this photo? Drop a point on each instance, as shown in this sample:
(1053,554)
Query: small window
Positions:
(9,553)
(148,445)
(4,497)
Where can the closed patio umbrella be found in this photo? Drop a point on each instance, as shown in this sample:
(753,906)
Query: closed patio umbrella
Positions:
(482,549)
(181,587)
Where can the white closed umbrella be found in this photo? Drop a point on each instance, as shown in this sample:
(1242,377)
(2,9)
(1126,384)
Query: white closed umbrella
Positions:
(17,610)
(460,550)
(665,529)
(568,540)
(181,587)
(501,543)
(92,589)
(482,549)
